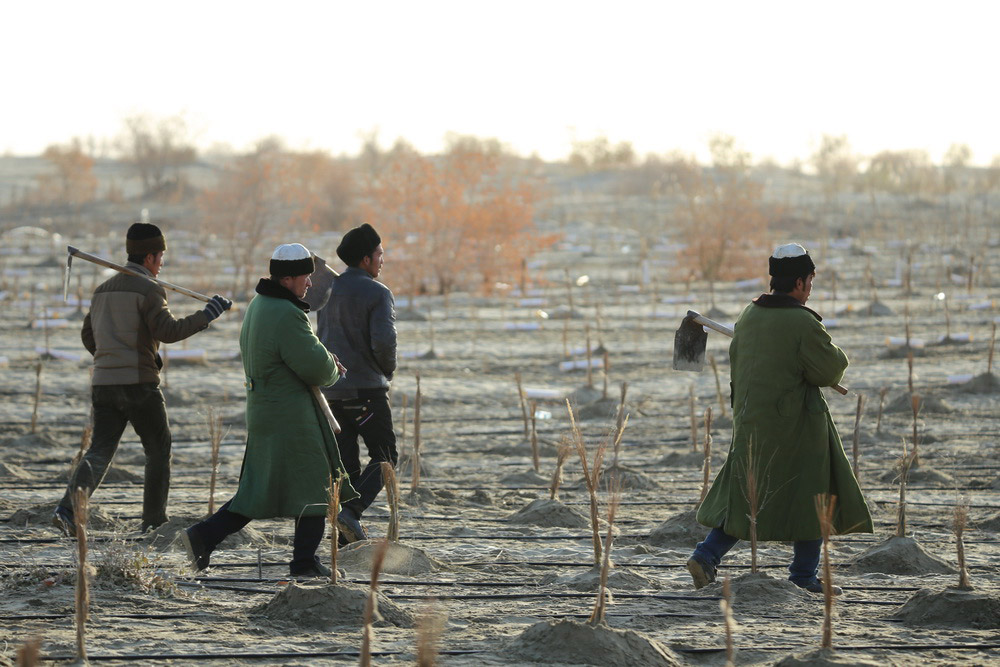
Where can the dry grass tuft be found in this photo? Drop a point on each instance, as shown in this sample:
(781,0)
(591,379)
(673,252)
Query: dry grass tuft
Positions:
(563,450)
(215,437)
(370,605)
(332,510)
(726,605)
(430,627)
(598,615)
(707,465)
(415,481)
(30,654)
(82,608)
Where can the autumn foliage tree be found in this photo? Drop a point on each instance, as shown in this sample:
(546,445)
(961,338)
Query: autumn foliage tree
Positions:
(71,182)
(156,148)
(724,223)
(456,220)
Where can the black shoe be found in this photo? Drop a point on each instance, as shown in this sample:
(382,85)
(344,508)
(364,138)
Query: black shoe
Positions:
(198,556)
(816,586)
(350,526)
(309,570)
(703,573)
(62,519)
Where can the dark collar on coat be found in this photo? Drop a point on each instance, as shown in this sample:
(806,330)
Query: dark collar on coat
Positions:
(782,300)
(268,287)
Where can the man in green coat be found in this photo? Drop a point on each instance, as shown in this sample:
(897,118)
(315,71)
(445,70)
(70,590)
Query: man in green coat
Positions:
(291,451)
(784,441)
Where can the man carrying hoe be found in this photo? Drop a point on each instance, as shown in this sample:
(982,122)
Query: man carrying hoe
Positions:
(781,355)
(128,320)
(291,452)
(356,321)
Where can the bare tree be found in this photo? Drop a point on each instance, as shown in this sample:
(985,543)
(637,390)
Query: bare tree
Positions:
(156,148)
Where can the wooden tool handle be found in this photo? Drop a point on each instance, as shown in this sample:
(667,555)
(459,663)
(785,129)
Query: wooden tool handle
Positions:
(723,329)
(325,407)
(76,252)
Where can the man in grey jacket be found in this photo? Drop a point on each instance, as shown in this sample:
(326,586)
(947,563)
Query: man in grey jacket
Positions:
(356,321)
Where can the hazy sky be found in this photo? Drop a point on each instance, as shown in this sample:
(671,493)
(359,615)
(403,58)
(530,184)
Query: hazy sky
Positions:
(535,74)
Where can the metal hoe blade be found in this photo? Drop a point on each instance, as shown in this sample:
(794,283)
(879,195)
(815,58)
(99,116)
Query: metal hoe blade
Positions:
(69,267)
(689,346)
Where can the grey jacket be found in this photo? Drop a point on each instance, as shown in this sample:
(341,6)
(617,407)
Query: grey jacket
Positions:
(356,319)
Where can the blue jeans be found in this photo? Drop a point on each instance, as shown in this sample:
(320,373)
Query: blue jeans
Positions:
(802,570)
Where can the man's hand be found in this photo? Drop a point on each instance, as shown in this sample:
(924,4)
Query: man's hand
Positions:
(340,366)
(216,306)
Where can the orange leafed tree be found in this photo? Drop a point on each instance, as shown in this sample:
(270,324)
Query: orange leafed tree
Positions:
(72,182)
(455,220)
(725,226)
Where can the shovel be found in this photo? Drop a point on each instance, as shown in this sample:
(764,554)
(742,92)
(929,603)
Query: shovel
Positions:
(690,341)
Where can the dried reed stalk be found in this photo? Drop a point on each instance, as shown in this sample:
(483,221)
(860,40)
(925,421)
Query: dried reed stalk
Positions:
(562,453)
(960,519)
(993,343)
(904,464)
(416,439)
(430,627)
(726,605)
(753,500)
(524,406)
(856,450)
(915,406)
(947,321)
(598,615)
(392,497)
(620,418)
(332,510)
(85,439)
(30,654)
(607,367)
(569,291)
(707,465)
(825,504)
(45,330)
(694,419)
(718,386)
(38,397)
(80,512)
(215,436)
(881,406)
(402,430)
(591,476)
(909,367)
(535,454)
(370,604)
(590,371)
(565,338)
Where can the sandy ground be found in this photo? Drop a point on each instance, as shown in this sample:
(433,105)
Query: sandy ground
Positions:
(495,579)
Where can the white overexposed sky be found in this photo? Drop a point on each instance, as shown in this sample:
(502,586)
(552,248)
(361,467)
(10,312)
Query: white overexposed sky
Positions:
(536,74)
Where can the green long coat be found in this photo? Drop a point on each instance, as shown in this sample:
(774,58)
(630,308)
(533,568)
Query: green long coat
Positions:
(780,356)
(291,451)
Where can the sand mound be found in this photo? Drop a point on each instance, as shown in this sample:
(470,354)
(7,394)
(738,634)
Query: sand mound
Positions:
(822,657)
(41,515)
(899,555)
(36,447)
(420,496)
(873,309)
(577,643)
(758,589)
(602,408)
(164,537)
(990,524)
(528,478)
(583,396)
(399,559)
(928,403)
(480,497)
(619,579)
(986,383)
(953,608)
(405,468)
(681,530)
(564,313)
(9,471)
(323,607)
(920,475)
(119,475)
(550,513)
(628,478)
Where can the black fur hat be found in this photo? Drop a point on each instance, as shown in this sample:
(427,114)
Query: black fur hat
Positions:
(357,244)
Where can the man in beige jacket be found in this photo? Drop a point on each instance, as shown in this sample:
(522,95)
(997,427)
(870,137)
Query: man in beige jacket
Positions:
(128,320)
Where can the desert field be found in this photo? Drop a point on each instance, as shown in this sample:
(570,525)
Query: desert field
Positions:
(488,568)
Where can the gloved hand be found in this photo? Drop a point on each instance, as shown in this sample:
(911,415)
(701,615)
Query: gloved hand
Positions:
(215,307)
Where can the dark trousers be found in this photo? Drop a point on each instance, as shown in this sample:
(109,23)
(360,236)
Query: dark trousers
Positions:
(116,405)
(222,524)
(369,417)
(802,569)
